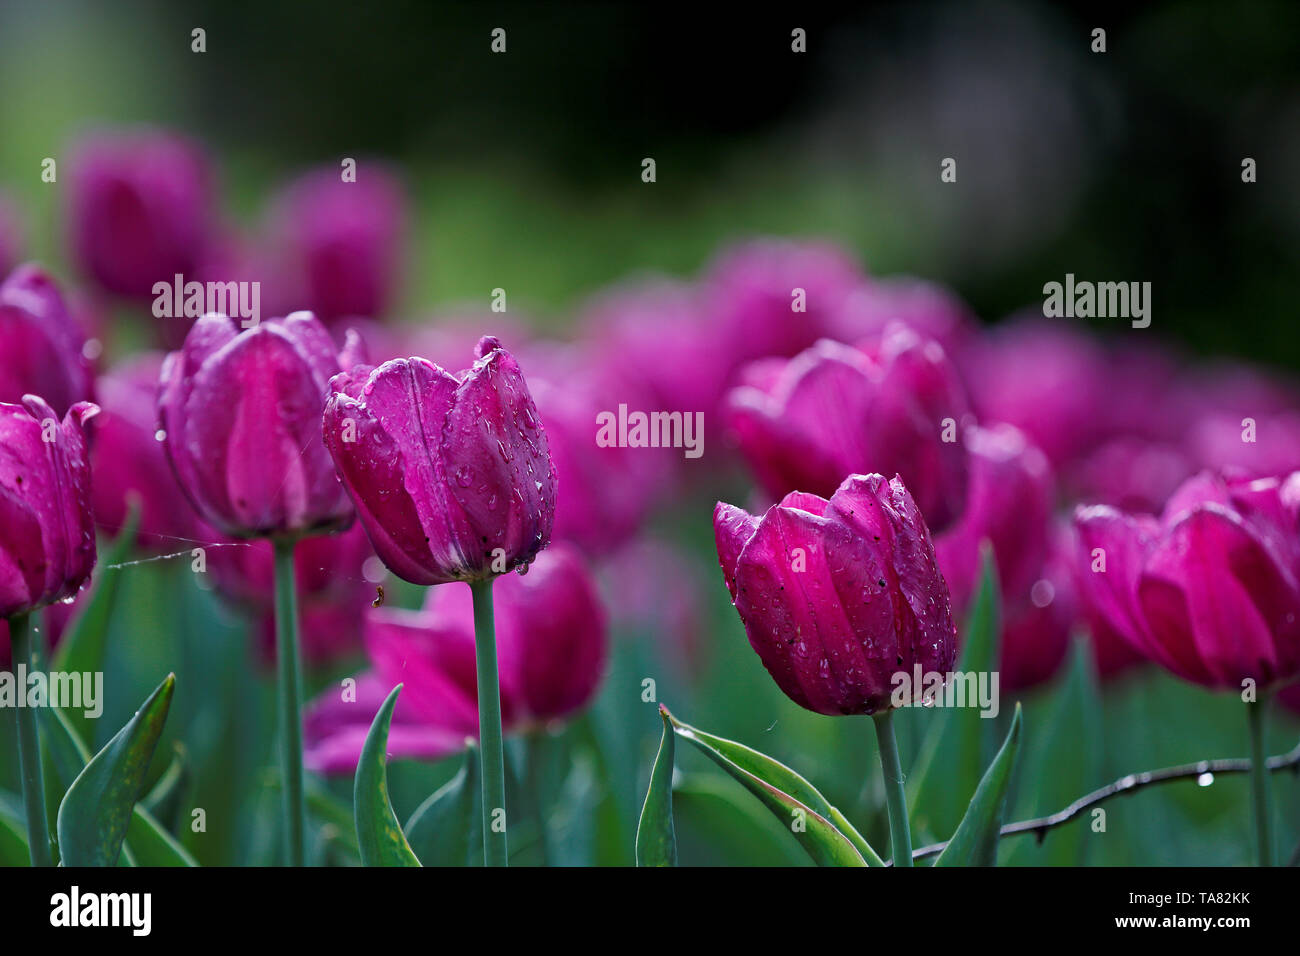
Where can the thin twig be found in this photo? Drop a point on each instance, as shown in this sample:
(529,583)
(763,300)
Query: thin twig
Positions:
(1128,784)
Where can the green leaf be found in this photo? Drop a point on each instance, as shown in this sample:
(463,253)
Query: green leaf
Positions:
(721,825)
(96,811)
(1048,782)
(656,843)
(13,837)
(447,828)
(164,801)
(976,841)
(379,835)
(789,796)
(958,741)
(152,845)
(82,647)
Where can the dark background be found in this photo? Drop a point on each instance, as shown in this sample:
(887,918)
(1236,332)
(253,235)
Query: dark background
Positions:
(526,166)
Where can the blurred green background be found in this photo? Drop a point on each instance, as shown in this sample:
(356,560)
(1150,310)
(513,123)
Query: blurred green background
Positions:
(525,174)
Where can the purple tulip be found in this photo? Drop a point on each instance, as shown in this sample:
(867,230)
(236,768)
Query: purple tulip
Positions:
(552,642)
(838,596)
(1010,504)
(140,210)
(339,243)
(241,412)
(1036,629)
(929,309)
(332,589)
(47,534)
(451,474)
(128,459)
(1210,590)
(43,344)
(777,296)
(1047,378)
(833,411)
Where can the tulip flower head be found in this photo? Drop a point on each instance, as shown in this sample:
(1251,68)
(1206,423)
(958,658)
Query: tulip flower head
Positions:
(837,596)
(43,343)
(451,474)
(47,533)
(1210,590)
(241,416)
(835,410)
(552,639)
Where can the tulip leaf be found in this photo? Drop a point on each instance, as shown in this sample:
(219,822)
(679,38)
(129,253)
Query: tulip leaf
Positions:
(152,845)
(82,648)
(976,841)
(97,809)
(379,835)
(165,800)
(823,831)
(446,830)
(656,842)
(732,829)
(1050,780)
(955,748)
(13,837)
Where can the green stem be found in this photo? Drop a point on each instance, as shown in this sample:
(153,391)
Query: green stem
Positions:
(489,725)
(29,749)
(538,751)
(900,836)
(1259,781)
(289,666)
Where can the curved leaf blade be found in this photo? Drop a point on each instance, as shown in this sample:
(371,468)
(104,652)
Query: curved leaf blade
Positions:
(976,841)
(656,841)
(446,829)
(789,796)
(958,741)
(82,647)
(97,809)
(151,845)
(379,835)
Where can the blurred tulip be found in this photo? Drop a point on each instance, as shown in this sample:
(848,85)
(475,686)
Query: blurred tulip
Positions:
(833,411)
(332,590)
(127,459)
(1010,503)
(451,474)
(1245,445)
(47,535)
(927,308)
(552,642)
(1209,590)
(1037,627)
(340,244)
(776,296)
(653,593)
(44,346)
(241,413)
(1129,472)
(140,209)
(1045,377)
(838,596)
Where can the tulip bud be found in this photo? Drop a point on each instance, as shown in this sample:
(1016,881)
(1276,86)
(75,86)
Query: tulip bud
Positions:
(128,459)
(552,644)
(833,411)
(43,345)
(1210,590)
(140,210)
(47,535)
(839,596)
(451,474)
(339,243)
(241,415)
